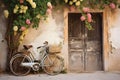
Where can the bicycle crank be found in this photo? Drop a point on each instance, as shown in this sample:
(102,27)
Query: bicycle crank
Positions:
(30,64)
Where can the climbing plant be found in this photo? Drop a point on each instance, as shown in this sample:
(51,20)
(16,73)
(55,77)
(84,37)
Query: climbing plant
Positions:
(85,5)
(23,14)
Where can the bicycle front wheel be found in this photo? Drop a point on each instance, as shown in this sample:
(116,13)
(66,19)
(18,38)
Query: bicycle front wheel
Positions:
(16,67)
(53,64)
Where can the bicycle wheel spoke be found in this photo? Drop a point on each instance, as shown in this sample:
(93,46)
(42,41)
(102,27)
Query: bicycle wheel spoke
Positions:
(55,65)
(16,67)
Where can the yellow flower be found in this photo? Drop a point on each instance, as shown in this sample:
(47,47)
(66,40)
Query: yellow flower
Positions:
(21,37)
(15,28)
(33,5)
(20,42)
(15,33)
(74,0)
(38,16)
(25,32)
(30,1)
(77,3)
(15,10)
(23,9)
(66,1)
(70,3)
(6,13)
(16,7)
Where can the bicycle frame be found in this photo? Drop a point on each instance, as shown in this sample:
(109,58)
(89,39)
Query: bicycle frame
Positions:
(51,63)
(32,59)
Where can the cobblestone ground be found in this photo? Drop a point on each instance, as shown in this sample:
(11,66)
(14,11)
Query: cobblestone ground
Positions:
(68,76)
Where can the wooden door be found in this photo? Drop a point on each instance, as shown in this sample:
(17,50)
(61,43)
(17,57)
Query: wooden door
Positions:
(85,46)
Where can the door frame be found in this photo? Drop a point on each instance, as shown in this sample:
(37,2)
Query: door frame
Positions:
(105,43)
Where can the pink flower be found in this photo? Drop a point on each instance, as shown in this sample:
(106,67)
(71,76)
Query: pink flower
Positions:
(50,7)
(85,9)
(82,18)
(49,11)
(72,8)
(89,15)
(112,5)
(23,28)
(28,21)
(21,1)
(89,19)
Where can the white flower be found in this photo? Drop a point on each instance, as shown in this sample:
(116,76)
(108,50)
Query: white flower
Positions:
(15,28)
(49,4)
(77,3)
(6,13)
(70,3)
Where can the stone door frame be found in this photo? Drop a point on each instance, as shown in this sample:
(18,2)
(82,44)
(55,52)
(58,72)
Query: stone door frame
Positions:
(106,24)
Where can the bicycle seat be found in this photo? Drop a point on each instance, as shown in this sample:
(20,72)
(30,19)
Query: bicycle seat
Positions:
(27,46)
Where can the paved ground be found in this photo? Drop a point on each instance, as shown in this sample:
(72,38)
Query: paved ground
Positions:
(68,76)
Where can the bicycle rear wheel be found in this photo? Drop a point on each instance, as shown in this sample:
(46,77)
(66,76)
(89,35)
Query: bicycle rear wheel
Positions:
(53,64)
(16,67)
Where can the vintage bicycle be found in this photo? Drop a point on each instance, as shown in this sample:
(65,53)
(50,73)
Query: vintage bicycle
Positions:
(22,63)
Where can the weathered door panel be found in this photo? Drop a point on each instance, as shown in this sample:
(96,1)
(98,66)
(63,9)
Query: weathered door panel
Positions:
(76,61)
(85,47)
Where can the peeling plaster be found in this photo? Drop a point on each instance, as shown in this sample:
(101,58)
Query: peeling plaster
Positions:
(115,33)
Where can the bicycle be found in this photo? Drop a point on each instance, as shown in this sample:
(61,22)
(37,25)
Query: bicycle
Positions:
(22,63)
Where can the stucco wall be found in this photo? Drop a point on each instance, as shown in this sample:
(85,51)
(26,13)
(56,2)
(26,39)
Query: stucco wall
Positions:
(3,43)
(55,30)
(114,39)
(50,30)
